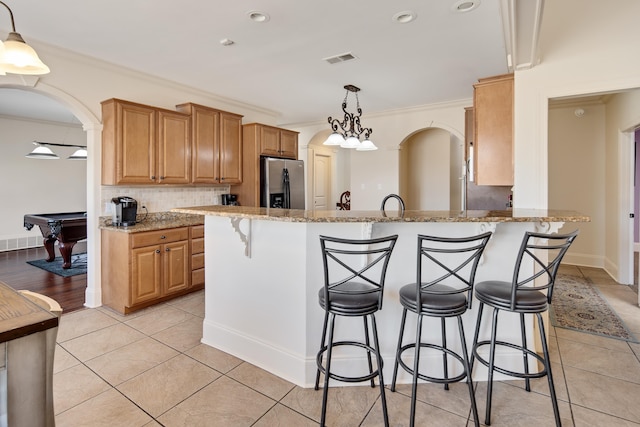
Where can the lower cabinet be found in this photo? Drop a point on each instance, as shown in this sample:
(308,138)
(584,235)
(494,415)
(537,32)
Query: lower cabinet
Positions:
(141,269)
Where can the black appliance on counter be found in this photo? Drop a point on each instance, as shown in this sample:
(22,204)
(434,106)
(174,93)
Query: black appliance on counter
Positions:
(230,199)
(125,211)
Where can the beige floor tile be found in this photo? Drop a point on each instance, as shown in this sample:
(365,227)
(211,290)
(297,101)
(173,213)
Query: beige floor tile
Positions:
(216,359)
(63,360)
(280,415)
(82,322)
(261,380)
(157,320)
(102,341)
(598,360)
(570,270)
(164,386)
(597,276)
(584,417)
(591,339)
(224,402)
(513,406)
(635,347)
(74,386)
(455,400)
(399,410)
(604,394)
(108,409)
(126,362)
(192,303)
(346,406)
(184,335)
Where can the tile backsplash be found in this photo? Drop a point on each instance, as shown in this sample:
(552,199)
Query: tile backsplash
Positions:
(159,199)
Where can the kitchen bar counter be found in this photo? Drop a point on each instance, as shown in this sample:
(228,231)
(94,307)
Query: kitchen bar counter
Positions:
(264,270)
(337,216)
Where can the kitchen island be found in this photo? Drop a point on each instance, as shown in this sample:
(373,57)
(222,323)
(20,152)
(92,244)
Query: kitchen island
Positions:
(264,269)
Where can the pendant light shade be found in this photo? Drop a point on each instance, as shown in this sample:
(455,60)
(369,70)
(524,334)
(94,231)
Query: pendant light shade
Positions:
(334,139)
(17,57)
(79,154)
(43,153)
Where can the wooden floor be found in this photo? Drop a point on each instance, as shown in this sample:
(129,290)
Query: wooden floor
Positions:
(69,292)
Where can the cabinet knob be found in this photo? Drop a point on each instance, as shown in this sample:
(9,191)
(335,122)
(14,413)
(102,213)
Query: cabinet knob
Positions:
(157,251)
(161,177)
(153,177)
(167,249)
(163,237)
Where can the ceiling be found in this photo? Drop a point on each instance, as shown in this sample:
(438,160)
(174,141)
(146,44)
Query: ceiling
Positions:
(278,64)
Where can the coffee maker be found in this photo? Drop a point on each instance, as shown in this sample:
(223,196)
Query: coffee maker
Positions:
(125,210)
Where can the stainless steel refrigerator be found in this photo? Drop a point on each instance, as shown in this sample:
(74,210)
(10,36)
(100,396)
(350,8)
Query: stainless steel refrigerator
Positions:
(281,183)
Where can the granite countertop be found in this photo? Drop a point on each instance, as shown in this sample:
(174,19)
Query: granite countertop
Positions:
(299,215)
(20,317)
(154,221)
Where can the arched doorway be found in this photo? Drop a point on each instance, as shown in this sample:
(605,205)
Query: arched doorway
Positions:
(432,171)
(93,128)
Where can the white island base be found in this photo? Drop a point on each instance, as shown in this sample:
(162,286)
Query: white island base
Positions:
(263,277)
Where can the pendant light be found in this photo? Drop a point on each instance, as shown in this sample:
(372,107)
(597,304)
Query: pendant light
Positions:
(346,133)
(16,56)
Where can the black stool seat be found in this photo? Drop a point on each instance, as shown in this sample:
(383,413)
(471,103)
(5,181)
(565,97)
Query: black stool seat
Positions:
(529,292)
(354,275)
(445,275)
(444,301)
(498,294)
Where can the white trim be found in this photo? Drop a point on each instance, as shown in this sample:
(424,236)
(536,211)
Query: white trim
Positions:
(626,160)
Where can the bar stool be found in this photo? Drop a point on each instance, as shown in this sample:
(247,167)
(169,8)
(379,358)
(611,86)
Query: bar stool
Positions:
(535,271)
(354,275)
(450,264)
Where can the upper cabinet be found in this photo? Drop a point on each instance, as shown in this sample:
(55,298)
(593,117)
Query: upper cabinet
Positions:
(216,147)
(273,141)
(148,145)
(144,145)
(493,130)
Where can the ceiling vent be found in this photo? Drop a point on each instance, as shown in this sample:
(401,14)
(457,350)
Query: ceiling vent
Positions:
(343,57)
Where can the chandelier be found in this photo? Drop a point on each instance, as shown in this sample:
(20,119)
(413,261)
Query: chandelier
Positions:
(346,133)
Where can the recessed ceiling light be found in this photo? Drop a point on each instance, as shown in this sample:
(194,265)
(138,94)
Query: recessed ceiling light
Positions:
(226,42)
(257,16)
(462,6)
(404,17)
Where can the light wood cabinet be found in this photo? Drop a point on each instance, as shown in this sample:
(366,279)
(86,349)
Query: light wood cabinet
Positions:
(216,148)
(144,145)
(141,269)
(261,140)
(197,256)
(493,130)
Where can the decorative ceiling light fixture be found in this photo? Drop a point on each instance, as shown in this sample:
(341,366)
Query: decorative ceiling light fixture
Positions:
(347,133)
(42,151)
(16,56)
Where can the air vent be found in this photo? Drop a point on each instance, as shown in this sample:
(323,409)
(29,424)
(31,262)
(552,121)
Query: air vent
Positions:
(343,57)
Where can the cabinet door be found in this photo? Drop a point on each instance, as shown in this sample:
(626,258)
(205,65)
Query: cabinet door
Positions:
(206,143)
(174,148)
(145,274)
(288,144)
(177,269)
(230,149)
(493,119)
(135,144)
(269,141)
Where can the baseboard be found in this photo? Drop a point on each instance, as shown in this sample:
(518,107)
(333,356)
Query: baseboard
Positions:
(22,242)
(584,260)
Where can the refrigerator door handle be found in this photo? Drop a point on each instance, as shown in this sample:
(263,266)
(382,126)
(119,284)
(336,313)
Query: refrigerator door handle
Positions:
(287,188)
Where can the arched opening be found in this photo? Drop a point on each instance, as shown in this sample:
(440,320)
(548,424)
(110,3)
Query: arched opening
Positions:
(52,179)
(432,171)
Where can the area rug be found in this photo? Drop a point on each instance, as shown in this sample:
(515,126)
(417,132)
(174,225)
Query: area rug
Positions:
(78,265)
(579,306)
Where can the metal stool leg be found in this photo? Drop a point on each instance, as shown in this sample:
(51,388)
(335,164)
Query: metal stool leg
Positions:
(443,332)
(416,363)
(327,373)
(527,382)
(547,366)
(467,368)
(476,335)
(383,399)
(492,355)
(397,359)
(366,340)
(324,335)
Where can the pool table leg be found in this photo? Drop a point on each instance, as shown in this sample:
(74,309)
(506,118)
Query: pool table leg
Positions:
(65,251)
(48,243)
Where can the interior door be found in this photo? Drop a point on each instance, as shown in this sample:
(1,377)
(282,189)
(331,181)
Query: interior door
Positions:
(321,181)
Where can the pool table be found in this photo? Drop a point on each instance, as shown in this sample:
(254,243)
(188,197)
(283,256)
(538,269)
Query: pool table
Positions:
(67,228)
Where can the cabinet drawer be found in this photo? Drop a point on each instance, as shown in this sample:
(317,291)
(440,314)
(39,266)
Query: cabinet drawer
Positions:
(197,246)
(197,261)
(197,277)
(197,231)
(159,237)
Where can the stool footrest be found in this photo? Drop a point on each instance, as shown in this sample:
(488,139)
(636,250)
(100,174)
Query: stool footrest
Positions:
(341,378)
(522,375)
(424,377)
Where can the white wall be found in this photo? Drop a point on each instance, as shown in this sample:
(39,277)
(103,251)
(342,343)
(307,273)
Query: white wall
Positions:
(577,175)
(34,186)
